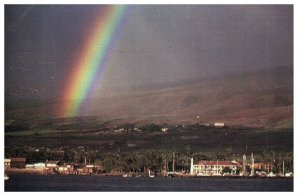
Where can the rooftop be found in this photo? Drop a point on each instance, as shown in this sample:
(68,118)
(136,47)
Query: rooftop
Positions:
(218,163)
(18,159)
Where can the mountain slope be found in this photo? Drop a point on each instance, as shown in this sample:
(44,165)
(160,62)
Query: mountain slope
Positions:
(257,99)
(263,98)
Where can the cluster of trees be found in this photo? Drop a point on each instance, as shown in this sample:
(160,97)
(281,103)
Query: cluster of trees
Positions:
(150,151)
(141,161)
(157,160)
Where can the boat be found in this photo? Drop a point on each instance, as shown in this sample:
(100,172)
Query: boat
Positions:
(6,177)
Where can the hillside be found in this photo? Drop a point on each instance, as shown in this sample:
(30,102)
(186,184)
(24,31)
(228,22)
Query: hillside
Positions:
(257,99)
(260,99)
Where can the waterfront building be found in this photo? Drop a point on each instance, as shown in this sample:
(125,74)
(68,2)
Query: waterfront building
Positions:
(262,166)
(29,166)
(214,168)
(7,163)
(40,166)
(66,169)
(51,164)
(18,162)
(89,169)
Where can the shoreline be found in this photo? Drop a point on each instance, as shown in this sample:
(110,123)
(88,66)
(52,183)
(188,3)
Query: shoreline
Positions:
(15,171)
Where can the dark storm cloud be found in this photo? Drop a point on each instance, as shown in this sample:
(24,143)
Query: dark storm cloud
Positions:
(157,43)
(169,43)
(40,41)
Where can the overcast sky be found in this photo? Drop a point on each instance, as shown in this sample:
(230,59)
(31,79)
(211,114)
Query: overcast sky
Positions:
(155,44)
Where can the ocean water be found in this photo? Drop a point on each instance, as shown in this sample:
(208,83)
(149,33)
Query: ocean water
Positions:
(28,182)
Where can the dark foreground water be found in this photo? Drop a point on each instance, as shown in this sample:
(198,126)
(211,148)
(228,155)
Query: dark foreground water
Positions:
(103,183)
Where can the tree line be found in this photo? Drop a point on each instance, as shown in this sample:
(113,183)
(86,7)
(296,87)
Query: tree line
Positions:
(156,160)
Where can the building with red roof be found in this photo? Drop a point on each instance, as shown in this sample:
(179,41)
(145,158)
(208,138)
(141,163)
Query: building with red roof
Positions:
(209,168)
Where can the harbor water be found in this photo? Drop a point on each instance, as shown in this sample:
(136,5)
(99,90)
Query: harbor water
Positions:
(29,182)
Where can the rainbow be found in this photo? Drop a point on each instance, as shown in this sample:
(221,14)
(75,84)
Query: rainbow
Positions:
(95,48)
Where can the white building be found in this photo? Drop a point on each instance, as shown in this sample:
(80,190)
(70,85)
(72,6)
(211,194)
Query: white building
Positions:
(29,166)
(7,163)
(40,166)
(210,168)
(52,164)
(219,124)
(66,168)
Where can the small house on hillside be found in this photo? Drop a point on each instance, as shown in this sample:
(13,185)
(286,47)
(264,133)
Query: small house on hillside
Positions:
(219,124)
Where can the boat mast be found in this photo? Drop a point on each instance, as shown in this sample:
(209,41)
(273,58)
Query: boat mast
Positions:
(192,165)
(283,168)
(173,165)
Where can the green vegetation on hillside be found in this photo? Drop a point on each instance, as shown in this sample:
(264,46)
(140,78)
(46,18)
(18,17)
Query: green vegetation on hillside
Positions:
(131,147)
